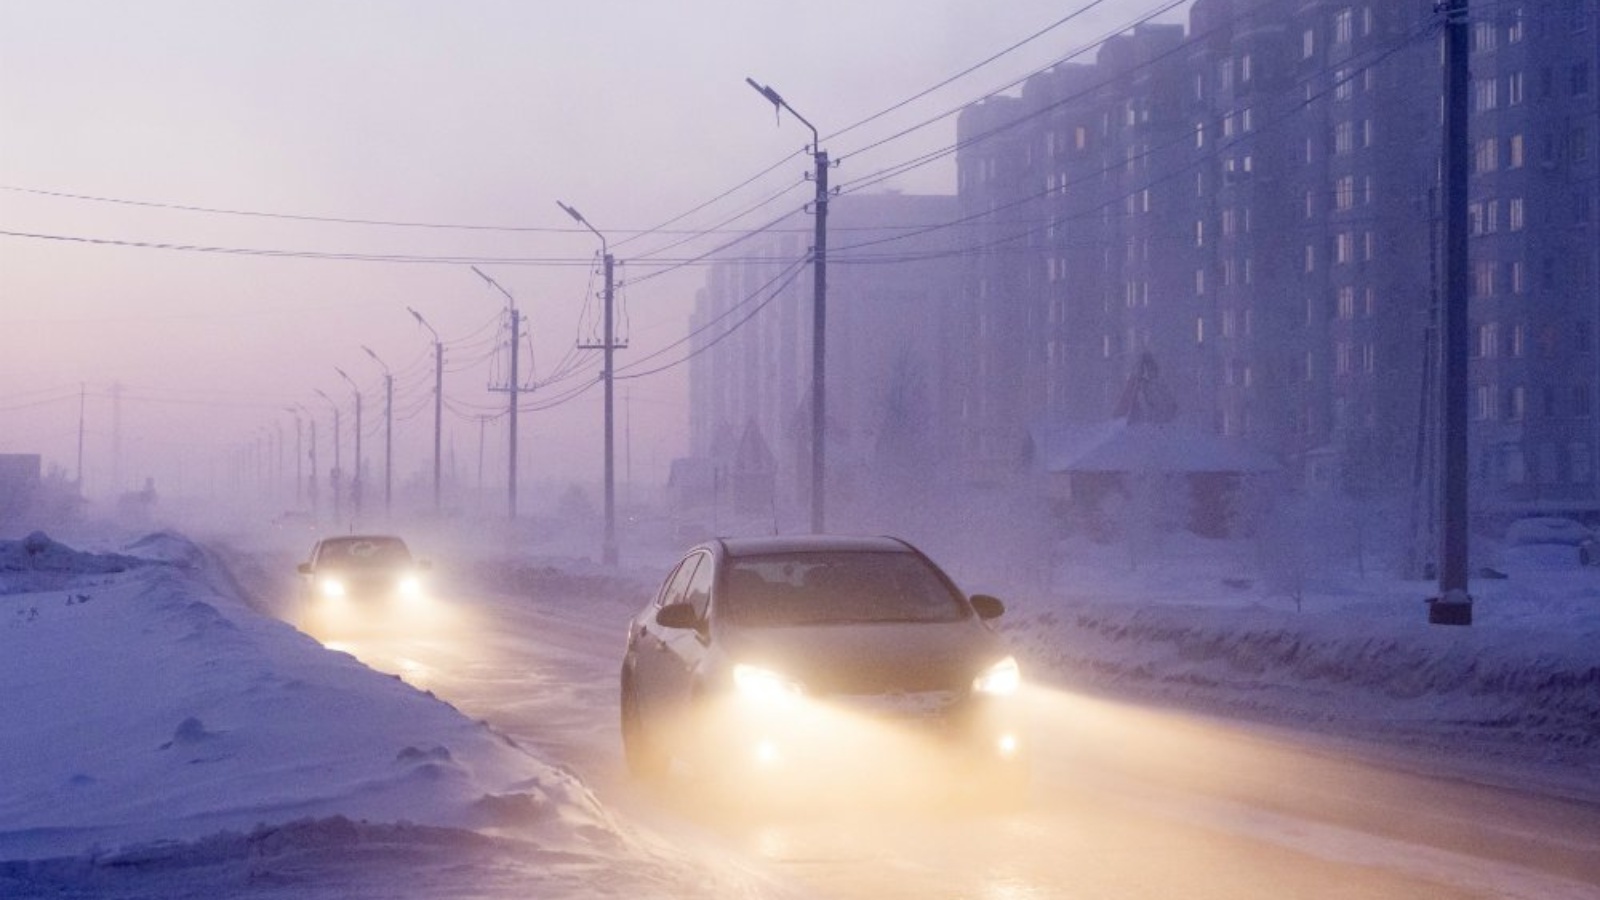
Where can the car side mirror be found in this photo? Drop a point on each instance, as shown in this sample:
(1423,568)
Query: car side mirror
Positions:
(987,607)
(678,615)
(304,568)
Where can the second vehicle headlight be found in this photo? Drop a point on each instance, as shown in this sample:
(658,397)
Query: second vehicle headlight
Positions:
(331,587)
(999,680)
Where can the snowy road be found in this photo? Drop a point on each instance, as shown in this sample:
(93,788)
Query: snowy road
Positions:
(1126,803)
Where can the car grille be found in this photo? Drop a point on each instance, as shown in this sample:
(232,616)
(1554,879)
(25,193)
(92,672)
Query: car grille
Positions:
(912,706)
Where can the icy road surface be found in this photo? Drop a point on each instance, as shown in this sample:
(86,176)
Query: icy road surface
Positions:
(1126,802)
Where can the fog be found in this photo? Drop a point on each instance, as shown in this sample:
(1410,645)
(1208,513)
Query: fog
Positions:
(208,209)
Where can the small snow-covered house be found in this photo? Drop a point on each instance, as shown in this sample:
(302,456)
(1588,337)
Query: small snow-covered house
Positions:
(1085,464)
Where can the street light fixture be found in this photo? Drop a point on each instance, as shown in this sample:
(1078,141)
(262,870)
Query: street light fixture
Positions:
(819,283)
(438,402)
(356,486)
(388,433)
(608,546)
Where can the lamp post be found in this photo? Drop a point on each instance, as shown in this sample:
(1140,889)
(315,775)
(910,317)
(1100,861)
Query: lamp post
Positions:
(438,402)
(337,473)
(608,546)
(511,388)
(819,305)
(355,483)
(388,433)
(299,473)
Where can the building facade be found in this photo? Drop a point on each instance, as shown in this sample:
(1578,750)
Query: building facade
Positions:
(1254,201)
(893,344)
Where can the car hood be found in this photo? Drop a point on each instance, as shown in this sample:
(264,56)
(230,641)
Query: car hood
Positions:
(870,658)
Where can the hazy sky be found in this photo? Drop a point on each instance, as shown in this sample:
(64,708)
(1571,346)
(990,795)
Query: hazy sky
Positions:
(462,113)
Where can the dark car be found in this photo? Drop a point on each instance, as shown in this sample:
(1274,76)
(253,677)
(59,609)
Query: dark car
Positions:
(821,653)
(362,568)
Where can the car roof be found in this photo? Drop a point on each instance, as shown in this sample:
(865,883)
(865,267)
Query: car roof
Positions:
(758,545)
(361,537)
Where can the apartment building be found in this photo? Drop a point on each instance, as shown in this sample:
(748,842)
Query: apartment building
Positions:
(1253,200)
(895,348)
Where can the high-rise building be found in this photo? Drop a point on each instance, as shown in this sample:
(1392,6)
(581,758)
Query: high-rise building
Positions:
(1254,202)
(891,378)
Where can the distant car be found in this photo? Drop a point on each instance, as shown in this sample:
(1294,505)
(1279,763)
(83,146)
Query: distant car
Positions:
(362,568)
(764,656)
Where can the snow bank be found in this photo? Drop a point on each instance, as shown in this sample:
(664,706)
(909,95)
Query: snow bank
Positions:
(1198,627)
(143,701)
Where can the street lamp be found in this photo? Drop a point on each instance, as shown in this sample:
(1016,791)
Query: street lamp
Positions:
(355,482)
(438,402)
(511,388)
(299,472)
(338,465)
(388,433)
(608,546)
(819,283)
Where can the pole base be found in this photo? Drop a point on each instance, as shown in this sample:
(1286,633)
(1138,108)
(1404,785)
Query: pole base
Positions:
(1449,611)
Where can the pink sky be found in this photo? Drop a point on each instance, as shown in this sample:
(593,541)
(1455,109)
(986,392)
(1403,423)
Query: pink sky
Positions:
(481,113)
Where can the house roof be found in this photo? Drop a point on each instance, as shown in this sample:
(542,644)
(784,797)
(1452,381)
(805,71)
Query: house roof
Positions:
(1119,445)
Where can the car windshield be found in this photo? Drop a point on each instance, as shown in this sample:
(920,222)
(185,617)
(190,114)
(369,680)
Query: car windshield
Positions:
(834,587)
(363,553)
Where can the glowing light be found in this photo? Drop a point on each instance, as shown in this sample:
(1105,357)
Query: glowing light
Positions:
(767,753)
(1001,679)
(331,587)
(760,684)
(411,587)
(1008,745)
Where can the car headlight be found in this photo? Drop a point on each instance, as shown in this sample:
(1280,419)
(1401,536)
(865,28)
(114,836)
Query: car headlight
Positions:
(999,680)
(331,587)
(410,586)
(756,683)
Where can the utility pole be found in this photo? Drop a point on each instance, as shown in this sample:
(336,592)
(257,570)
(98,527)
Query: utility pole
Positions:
(819,307)
(388,433)
(1453,605)
(337,476)
(608,544)
(482,427)
(356,483)
(511,388)
(299,474)
(511,483)
(438,405)
(311,484)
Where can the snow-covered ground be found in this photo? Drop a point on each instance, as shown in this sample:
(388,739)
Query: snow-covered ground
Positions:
(1197,627)
(154,722)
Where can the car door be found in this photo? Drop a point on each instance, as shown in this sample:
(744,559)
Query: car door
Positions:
(686,647)
(653,666)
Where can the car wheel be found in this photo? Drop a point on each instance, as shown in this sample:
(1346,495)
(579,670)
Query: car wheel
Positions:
(640,748)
